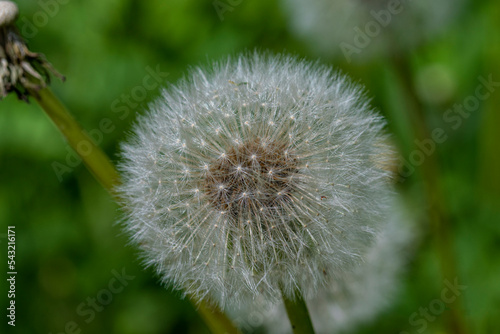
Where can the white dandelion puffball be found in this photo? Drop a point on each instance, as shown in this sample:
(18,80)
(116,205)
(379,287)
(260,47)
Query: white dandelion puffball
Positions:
(358,30)
(260,176)
(360,295)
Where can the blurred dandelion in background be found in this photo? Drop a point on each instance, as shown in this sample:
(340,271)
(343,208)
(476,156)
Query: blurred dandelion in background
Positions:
(361,295)
(262,176)
(360,30)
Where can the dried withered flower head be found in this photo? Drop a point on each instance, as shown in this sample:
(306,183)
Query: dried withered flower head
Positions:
(257,176)
(21,70)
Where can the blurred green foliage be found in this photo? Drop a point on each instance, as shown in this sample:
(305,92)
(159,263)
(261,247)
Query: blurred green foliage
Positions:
(68,243)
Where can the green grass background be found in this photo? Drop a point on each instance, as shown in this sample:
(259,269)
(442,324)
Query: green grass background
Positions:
(67,241)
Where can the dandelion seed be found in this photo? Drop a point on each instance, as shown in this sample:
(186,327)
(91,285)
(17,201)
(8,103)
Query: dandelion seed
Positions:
(275,224)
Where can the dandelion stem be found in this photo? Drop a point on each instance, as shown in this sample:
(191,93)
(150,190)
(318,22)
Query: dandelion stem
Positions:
(93,157)
(105,172)
(298,314)
(215,320)
(439,216)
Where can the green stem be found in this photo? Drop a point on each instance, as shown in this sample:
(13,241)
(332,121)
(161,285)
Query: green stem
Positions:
(215,320)
(93,157)
(298,314)
(439,216)
(105,172)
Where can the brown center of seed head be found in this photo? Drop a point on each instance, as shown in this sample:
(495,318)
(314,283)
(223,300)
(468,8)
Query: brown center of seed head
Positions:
(253,180)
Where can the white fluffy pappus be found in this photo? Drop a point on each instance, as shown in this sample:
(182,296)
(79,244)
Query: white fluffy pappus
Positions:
(258,177)
(359,296)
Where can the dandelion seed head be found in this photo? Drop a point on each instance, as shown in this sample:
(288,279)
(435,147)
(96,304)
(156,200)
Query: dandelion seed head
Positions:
(280,198)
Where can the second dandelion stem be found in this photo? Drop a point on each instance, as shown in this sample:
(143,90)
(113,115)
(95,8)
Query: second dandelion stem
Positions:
(95,159)
(439,215)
